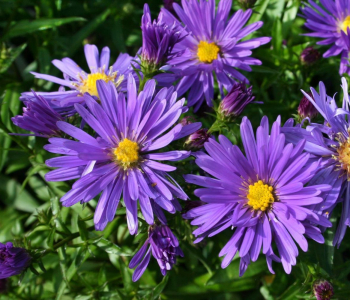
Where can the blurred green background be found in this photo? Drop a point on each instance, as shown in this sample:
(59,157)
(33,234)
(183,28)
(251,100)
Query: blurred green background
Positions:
(92,266)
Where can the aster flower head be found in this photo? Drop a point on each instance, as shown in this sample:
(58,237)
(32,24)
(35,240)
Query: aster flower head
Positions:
(306,109)
(330,142)
(164,247)
(13,260)
(212,46)
(38,117)
(330,21)
(323,290)
(197,139)
(79,82)
(158,39)
(121,159)
(236,100)
(261,196)
(309,56)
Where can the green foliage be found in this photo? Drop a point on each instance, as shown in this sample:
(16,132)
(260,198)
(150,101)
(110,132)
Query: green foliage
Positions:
(71,260)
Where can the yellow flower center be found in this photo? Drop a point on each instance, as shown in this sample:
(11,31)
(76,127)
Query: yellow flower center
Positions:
(260,196)
(346,24)
(344,155)
(88,84)
(127,153)
(207,52)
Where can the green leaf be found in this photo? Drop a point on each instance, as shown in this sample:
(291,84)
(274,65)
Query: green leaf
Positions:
(109,247)
(292,292)
(84,234)
(159,288)
(259,10)
(8,56)
(25,27)
(77,39)
(80,257)
(51,238)
(277,37)
(232,271)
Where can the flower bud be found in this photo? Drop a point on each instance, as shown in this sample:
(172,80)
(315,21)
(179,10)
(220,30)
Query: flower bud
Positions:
(158,39)
(235,101)
(323,290)
(306,109)
(309,56)
(197,139)
(13,260)
(164,247)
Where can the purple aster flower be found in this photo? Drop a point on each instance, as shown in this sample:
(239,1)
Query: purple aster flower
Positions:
(323,290)
(13,260)
(80,82)
(122,158)
(261,197)
(331,143)
(163,245)
(330,21)
(310,55)
(306,109)
(212,46)
(197,139)
(38,117)
(236,100)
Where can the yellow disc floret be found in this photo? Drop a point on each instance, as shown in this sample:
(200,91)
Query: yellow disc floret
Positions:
(260,196)
(345,24)
(88,83)
(207,52)
(344,155)
(127,153)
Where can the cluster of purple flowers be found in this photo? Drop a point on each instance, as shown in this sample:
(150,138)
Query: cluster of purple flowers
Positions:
(272,196)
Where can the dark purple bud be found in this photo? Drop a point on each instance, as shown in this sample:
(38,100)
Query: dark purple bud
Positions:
(13,260)
(246,4)
(323,290)
(39,117)
(306,109)
(164,247)
(158,39)
(197,139)
(309,56)
(236,100)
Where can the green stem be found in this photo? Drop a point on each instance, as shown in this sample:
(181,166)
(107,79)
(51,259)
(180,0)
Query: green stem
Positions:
(64,241)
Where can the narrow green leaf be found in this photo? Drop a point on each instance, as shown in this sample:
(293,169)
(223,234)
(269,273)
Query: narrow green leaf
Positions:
(259,10)
(78,38)
(24,27)
(8,56)
(277,36)
(159,288)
